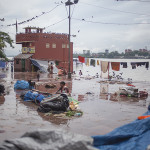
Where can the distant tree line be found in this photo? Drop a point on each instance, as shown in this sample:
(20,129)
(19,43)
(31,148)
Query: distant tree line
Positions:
(116,54)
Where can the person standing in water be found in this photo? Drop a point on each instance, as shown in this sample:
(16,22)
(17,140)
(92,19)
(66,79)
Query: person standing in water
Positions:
(80,73)
(38,75)
(51,68)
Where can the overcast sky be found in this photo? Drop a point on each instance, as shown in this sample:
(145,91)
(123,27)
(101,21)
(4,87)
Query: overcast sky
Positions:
(97,24)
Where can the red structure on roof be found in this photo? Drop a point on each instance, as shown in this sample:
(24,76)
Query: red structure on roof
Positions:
(46,46)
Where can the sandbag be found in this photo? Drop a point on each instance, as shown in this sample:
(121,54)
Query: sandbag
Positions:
(21,85)
(49,140)
(59,103)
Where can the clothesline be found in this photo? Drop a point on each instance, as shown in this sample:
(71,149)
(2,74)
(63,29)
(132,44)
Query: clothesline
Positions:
(114,65)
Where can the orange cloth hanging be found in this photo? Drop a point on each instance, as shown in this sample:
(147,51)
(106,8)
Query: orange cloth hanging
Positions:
(143,117)
(88,62)
(115,66)
(98,62)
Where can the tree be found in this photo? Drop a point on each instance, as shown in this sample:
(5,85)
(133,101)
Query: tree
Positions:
(4,39)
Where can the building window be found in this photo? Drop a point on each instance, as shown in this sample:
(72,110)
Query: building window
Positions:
(47,45)
(67,45)
(63,45)
(17,61)
(54,45)
(30,44)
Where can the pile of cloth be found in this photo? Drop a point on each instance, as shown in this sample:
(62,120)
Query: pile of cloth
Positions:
(131,91)
(128,91)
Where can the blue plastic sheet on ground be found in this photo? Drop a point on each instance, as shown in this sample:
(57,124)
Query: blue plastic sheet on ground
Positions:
(33,96)
(135,135)
(22,85)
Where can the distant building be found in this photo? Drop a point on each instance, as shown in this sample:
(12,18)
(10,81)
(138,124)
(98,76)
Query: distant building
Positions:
(143,50)
(128,50)
(43,46)
(106,51)
(86,52)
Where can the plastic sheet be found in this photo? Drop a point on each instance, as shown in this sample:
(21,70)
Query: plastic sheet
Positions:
(33,96)
(49,140)
(135,135)
(59,103)
(22,85)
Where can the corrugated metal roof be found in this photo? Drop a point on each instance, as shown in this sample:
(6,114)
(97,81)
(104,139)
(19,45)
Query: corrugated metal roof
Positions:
(23,56)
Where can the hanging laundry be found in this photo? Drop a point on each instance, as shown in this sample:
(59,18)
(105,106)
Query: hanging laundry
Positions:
(98,62)
(92,62)
(147,65)
(85,61)
(140,64)
(115,66)
(81,59)
(124,64)
(133,64)
(88,62)
(104,66)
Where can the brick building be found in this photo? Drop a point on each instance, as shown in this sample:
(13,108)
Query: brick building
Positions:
(43,46)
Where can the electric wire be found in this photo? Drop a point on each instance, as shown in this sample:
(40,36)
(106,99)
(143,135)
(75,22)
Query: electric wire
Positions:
(115,9)
(73,11)
(55,23)
(135,0)
(109,23)
(29,20)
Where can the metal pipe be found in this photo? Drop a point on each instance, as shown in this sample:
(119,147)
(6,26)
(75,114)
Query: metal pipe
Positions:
(69,73)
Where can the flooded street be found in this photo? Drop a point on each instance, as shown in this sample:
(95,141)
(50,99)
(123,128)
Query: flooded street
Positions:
(102,112)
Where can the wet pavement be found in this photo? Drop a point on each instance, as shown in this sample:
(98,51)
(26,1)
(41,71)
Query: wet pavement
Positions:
(102,111)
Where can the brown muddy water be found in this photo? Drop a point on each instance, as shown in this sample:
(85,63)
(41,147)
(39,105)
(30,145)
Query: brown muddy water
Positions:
(102,112)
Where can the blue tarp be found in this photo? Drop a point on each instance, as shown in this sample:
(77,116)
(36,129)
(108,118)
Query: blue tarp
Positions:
(22,85)
(33,96)
(135,136)
(2,64)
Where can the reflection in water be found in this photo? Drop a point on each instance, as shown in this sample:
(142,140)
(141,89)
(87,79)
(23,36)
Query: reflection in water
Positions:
(55,120)
(2,100)
(25,75)
(49,75)
(80,97)
(2,75)
(104,88)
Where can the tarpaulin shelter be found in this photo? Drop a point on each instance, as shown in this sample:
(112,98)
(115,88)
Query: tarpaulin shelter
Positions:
(135,135)
(43,65)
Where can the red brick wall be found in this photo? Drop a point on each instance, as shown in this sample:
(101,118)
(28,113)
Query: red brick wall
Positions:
(18,67)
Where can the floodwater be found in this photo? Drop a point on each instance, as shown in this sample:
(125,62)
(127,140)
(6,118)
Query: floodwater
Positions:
(102,111)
